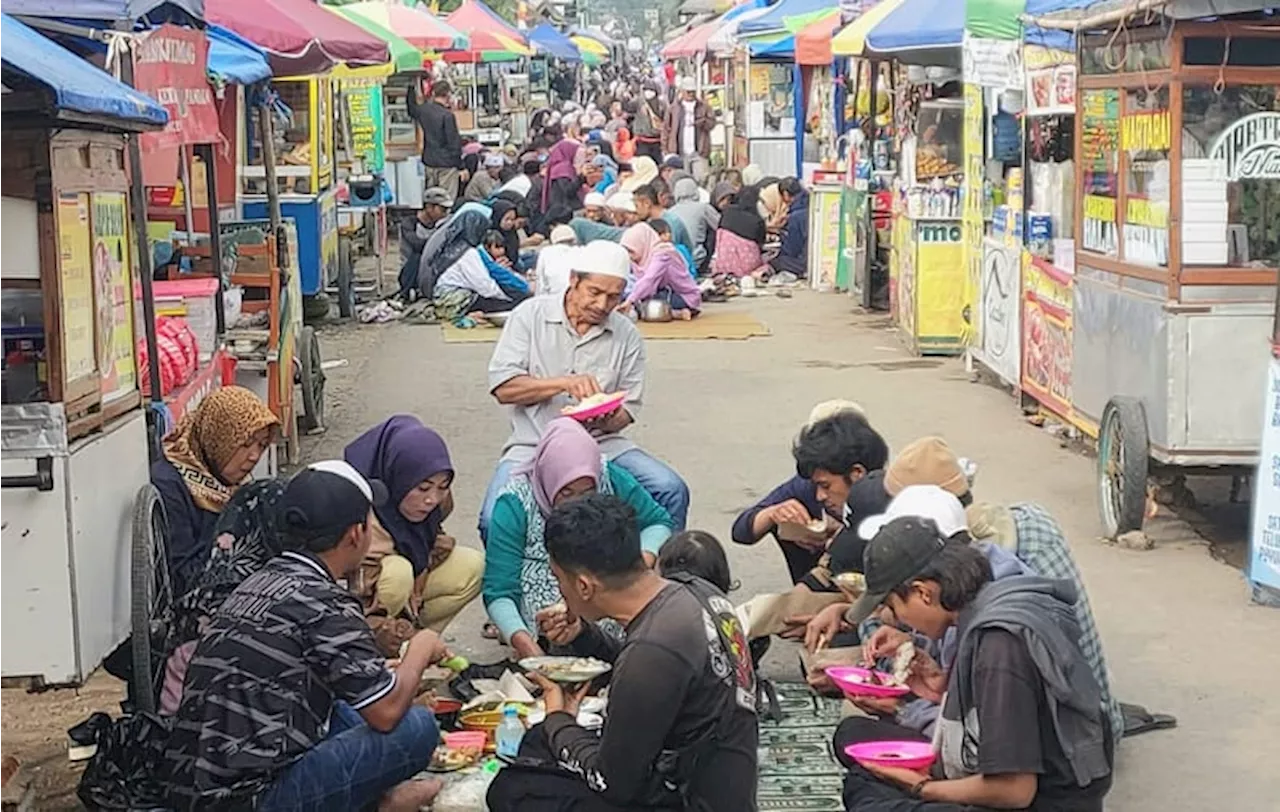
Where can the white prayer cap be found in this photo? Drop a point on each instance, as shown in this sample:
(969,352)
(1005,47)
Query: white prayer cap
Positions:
(602,258)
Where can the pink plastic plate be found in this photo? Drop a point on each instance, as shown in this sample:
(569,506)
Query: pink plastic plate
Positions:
(853,681)
(909,755)
(599,410)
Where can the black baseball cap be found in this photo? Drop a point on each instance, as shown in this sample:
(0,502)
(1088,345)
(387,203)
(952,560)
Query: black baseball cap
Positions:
(328,497)
(898,553)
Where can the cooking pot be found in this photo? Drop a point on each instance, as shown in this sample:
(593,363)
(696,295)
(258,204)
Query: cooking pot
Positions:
(655,310)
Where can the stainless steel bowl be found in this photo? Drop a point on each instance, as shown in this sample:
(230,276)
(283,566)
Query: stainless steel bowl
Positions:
(655,310)
(497,319)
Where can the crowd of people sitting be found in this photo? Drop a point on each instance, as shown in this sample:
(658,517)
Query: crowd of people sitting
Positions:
(482,241)
(308,608)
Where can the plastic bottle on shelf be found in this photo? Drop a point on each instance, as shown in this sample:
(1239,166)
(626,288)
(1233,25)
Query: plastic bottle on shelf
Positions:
(509,733)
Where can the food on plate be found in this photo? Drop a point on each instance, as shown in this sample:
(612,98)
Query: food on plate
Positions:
(902,662)
(566,669)
(598,399)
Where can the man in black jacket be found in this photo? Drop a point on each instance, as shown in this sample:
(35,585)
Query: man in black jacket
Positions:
(441,144)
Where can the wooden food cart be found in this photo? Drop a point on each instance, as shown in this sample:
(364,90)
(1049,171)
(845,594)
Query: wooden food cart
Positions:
(1177,194)
(83,532)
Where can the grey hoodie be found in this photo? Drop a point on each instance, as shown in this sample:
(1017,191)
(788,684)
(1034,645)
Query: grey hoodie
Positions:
(1039,612)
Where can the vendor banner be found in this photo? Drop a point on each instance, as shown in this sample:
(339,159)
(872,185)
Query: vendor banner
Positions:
(992,63)
(1264,538)
(170,64)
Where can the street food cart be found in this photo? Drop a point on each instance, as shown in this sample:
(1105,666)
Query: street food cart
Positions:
(305,176)
(1177,193)
(83,528)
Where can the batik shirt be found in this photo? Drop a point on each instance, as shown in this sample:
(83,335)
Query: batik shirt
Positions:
(282,648)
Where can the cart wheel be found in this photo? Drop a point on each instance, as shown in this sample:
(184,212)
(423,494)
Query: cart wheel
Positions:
(151,599)
(1123,456)
(311,377)
(315,308)
(346,279)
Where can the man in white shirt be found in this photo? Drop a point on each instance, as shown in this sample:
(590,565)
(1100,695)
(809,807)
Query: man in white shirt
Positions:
(555,263)
(687,129)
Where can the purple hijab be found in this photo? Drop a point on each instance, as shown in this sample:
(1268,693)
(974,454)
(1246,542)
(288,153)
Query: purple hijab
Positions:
(565,453)
(559,165)
(402,453)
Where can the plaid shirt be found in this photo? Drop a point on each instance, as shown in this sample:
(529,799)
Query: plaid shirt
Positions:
(1043,547)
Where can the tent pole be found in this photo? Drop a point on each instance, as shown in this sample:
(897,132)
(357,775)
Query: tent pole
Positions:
(138,213)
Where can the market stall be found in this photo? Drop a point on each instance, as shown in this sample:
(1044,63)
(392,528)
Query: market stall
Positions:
(928,283)
(494,108)
(82,532)
(776,84)
(551,44)
(303,42)
(1175,258)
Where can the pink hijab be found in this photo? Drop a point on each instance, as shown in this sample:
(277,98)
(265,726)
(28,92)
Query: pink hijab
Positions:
(559,165)
(565,452)
(645,242)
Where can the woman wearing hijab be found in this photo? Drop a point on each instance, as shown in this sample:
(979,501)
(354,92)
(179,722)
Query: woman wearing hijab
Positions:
(660,273)
(414,576)
(207,458)
(643,170)
(562,181)
(518,582)
(506,221)
(772,207)
(740,238)
(469,279)
(245,537)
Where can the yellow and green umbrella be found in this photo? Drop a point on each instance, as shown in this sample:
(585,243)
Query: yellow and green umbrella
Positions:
(852,39)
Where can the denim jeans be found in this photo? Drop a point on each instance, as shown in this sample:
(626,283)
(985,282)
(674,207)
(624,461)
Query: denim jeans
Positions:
(655,476)
(660,480)
(355,765)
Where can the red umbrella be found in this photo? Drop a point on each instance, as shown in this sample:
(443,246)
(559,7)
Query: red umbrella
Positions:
(487,30)
(299,37)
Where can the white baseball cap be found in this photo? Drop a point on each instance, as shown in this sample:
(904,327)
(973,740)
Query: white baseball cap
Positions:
(602,258)
(593,199)
(689,83)
(924,502)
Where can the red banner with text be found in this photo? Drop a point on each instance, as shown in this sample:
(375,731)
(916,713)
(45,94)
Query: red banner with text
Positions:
(169,65)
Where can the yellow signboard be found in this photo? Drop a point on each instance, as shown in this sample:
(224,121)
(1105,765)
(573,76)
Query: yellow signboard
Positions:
(113,284)
(74,251)
(974,226)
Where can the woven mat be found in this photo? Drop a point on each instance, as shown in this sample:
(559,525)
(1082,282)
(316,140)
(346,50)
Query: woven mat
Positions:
(728,325)
(798,768)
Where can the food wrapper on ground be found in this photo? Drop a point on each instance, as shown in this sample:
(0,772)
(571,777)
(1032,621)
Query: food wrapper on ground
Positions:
(510,687)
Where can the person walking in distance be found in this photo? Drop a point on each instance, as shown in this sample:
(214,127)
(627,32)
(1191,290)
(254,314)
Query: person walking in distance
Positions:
(441,143)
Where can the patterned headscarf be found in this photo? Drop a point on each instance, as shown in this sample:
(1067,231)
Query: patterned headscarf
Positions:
(206,440)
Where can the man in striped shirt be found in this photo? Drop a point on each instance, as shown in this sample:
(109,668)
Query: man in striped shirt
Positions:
(287,703)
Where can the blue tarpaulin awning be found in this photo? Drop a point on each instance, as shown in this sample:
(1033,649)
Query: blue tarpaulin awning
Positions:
(99,9)
(775,18)
(919,25)
(77,90)
(234,59)
(784,47)
(551,41)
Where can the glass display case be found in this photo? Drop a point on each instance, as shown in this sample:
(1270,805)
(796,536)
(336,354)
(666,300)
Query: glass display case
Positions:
(939,139)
